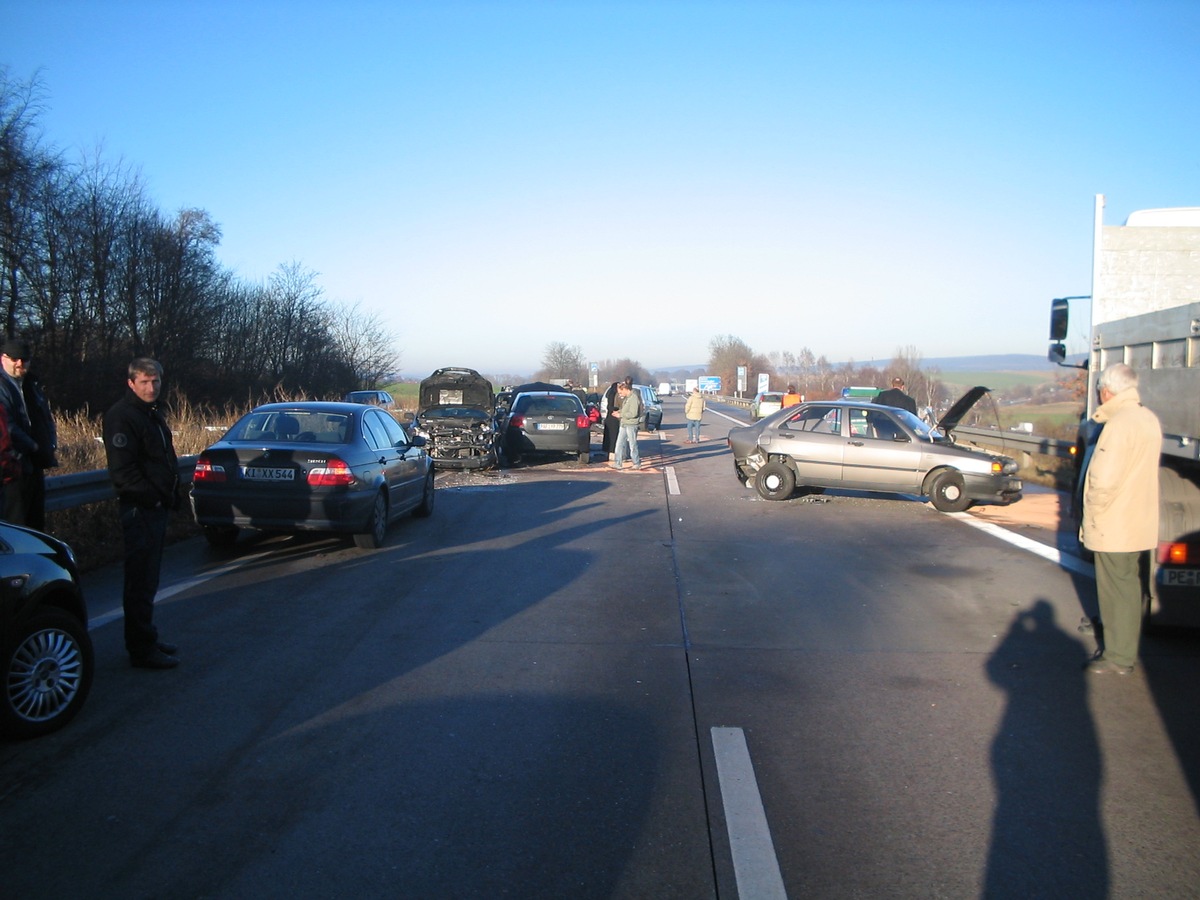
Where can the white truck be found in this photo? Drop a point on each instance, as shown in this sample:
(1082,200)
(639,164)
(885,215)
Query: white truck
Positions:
(1145,311)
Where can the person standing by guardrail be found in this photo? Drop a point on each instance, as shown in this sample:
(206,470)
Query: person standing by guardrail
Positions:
(32,432)
(145,473)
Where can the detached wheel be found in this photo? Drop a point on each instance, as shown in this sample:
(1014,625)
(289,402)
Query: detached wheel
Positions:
(775,481)
(372,538)
(425,510)
(221,535)
(47,674)
(947,492)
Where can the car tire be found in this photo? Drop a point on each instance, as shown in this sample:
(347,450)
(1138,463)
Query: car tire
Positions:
(48,670)
(775,481)
(947,492)
(425,510)
(221,535)
(372,538)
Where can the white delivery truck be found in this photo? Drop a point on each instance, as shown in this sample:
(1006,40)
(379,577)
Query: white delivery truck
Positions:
(1145,311)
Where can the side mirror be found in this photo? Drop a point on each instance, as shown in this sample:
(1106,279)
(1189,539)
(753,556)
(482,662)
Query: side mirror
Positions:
(1057,354)
(1060,311)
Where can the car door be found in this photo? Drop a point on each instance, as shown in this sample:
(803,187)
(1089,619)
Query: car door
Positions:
(392,463)
(880,454)
(811,436)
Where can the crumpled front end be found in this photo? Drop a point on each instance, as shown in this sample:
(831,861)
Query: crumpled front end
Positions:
(460,441)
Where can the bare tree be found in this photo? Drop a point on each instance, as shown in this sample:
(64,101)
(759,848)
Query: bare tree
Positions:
(560,360)
(367,347)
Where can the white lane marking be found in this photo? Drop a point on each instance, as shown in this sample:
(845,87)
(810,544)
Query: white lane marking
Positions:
(171,590)
(672,481)
(754,864)
(1064,560)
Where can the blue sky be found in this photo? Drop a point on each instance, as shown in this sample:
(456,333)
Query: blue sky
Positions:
(639,177)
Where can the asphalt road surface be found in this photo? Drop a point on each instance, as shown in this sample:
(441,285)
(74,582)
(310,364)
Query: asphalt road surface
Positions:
(572,682)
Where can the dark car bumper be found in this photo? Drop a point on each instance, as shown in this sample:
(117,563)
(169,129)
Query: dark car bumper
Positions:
(1003,489)
(344,511)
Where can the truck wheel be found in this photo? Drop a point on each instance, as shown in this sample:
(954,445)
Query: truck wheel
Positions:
(775,481)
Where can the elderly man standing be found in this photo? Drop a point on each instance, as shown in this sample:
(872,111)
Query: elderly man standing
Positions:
(1120,512)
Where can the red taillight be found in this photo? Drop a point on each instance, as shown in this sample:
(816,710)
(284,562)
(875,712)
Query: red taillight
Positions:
(583,422)
(516,421)
(1172,553)
(207,473)
(334,473)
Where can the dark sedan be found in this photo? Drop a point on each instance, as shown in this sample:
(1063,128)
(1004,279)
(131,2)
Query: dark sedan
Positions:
(338,467)
(547,422)
(47,653)
(861,446)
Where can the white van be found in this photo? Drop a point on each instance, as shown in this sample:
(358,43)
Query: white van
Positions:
(665,389)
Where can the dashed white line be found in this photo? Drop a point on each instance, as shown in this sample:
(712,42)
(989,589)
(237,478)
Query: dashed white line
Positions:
(755,866)
(672,481)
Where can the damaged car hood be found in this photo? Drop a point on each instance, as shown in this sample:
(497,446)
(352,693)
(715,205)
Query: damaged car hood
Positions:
(455,389)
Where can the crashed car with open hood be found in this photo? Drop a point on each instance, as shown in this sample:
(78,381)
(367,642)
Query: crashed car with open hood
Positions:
(456,413)
(858,445)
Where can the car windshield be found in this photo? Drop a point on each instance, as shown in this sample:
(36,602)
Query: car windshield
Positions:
(292,425)
(920,427)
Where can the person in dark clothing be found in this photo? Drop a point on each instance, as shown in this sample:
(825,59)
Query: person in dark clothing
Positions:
(896,397)
(612,421)
(32,433)
(34,437)
(145,473)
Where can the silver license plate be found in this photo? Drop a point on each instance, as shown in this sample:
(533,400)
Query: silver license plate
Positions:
(267,473)
(551,426)
(1180,577)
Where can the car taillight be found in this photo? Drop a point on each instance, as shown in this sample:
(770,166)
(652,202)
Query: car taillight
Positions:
(334,473)
(516,421)
(1172,553)
(207,472)
(583,422)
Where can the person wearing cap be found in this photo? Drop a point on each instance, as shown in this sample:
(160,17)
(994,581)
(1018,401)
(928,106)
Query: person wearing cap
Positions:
(896,397)
(32,432)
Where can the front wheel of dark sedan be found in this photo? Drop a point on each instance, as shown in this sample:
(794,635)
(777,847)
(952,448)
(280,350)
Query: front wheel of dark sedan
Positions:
(372,538)
(947,492)
(775,481)
(47,674)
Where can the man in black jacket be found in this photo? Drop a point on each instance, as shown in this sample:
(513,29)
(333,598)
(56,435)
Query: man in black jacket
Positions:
(33,434)
(896,397)
(145,473)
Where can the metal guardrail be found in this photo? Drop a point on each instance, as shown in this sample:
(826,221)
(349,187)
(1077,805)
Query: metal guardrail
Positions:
(81,488)
(1008,440)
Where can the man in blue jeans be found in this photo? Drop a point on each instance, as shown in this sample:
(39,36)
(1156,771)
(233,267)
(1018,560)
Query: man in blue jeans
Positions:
(631,421)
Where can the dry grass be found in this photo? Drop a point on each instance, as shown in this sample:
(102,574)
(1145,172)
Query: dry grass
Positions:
(93,531)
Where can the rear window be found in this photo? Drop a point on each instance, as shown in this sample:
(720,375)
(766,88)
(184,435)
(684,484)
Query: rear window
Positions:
(549,406)
(296,426)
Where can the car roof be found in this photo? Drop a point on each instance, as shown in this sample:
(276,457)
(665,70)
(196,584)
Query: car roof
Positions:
(315,406)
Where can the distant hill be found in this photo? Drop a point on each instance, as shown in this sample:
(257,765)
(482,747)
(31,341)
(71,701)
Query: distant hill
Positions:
(999,362)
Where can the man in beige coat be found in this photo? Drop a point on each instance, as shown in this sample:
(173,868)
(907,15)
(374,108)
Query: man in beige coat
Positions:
(1120,512)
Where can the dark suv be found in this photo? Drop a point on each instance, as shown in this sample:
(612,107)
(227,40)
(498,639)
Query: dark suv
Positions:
(46,659)
(456,413)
